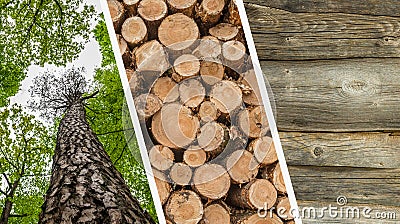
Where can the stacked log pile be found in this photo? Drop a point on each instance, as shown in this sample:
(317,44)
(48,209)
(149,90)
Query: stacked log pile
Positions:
(197,97)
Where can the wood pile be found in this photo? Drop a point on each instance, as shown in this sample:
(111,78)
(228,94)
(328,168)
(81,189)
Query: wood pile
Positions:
(197,98)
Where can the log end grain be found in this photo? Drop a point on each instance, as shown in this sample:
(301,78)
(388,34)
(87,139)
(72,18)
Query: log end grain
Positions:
(147,105)
(166,89)
(161,157)
(184,207)
(224,31)
(208,111)
(216,213)
(253,122)
(180,174)
(152,10)
(178,32)
(174,126)
(186,66)
(163,187)
(277,179)
(182,6)
(264,150)
(211,181)
(134,31)
(151,57)
(209,48)
(251,92)
(211,72)
(117,13)
(226,95)
(194,157)
(241,166)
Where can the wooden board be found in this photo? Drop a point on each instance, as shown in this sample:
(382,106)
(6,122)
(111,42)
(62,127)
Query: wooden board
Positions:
(361,149)
(366,7)
(282,35)
(342,217)
(336,96)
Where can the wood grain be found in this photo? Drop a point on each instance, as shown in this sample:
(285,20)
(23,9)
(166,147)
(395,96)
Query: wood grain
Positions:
(282,35)
(366,7)
(358,185)
(341,217)
(369,150)
(336,96)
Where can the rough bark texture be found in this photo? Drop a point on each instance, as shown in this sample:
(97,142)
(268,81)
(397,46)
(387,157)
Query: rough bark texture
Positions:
(8,204)
(85,186)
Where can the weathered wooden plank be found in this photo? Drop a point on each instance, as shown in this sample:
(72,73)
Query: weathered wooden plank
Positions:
(281,35)
(366,7)
(317,212)
(363,149)
(321,185)
(340,96)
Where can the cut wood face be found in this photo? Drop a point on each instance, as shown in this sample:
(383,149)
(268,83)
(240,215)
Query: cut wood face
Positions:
(212,72)
(213,7)
(175,126)
(152,10)
(178,32)
(161,157)
(187,65)
(241,166)
(216,213)
(264,150)
(211,181)
(253,122)
(134,31)
(151,57)
(224,31)
(184,207)
(226,95)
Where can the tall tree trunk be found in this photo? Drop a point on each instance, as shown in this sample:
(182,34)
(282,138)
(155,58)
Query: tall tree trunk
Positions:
(6,213)
(85,186)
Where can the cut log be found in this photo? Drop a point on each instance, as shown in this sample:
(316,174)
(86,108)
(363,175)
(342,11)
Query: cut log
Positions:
(234,54)
(211,181)
(117,13)
(277,179)
(224,32)
(209,49)
(249,86)
(253,122)
(124,50)
(283,209)
(151,57)
(131,7)
(134,31)
(186,66)
(216,213)
(226,95)
(248,217)
(163,187)
(233,16)
(180,174)
(191,93)
(263,150)
(242,166)
(182,6)
(166,89)
(135,82)
(208,111)
(212,72)
(213,137)
(184,207)
(194,157)
(174,126)
(153,12)
(178,32)
(147,105)
(161,157)
(257,194)
(210,11)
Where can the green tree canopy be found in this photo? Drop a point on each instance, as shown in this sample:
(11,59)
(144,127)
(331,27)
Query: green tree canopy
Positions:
(39,32)
(25,151)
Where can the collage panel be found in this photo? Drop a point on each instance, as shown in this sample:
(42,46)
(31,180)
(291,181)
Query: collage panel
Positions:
(68,152)
(206,126)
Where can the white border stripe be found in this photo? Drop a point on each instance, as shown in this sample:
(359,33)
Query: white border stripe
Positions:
(132,110)
(268,108)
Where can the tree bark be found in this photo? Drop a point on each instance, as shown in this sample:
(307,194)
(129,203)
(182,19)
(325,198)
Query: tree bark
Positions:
(7,208)
(85,187)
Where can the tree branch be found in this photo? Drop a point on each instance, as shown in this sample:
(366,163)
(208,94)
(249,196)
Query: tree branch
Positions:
(90,96)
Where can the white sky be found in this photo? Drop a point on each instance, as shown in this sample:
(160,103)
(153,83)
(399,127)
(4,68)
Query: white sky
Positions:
(89,58)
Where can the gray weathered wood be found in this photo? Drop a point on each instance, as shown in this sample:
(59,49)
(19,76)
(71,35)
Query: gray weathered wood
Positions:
(282,35)
(330,95)
(366,7)
(346,219)
(325,184)
(368,149)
